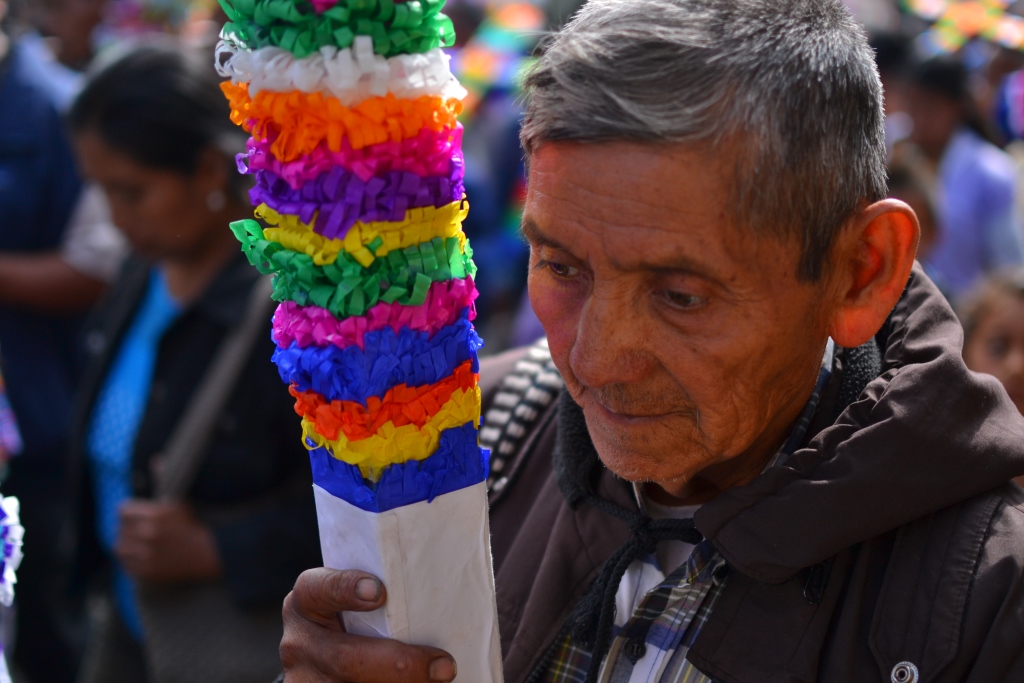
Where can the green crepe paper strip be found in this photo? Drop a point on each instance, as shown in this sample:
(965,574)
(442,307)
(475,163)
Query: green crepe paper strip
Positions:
(409,27)
(346,288)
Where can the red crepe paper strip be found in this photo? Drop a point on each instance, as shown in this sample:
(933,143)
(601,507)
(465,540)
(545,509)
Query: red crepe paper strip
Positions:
(401,405)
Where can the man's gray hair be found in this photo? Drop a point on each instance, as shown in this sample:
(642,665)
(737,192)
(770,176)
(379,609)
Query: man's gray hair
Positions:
(791,83)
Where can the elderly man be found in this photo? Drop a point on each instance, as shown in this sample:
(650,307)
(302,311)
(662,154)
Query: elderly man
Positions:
(768,461)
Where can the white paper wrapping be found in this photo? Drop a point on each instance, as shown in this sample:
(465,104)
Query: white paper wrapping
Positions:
(435,561)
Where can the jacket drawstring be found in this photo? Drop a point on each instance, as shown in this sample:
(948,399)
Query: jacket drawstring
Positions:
(593,618)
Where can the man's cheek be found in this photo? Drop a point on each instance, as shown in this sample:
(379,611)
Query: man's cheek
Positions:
(556,310)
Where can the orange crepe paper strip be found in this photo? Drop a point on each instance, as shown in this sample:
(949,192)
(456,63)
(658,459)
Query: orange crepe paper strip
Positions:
(298,122)
(401,405)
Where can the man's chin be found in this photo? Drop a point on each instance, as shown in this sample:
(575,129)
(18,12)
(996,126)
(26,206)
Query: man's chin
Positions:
(651,449)
(641,463)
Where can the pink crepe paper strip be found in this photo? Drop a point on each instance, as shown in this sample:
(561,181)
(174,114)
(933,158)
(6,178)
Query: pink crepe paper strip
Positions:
(428,154)
(321,6)
(315,326)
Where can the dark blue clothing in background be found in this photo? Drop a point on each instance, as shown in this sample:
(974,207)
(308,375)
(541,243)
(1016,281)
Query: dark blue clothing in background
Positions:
(38,190)
(39,187)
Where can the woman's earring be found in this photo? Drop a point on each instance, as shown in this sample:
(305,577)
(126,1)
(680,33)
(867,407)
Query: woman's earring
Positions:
(216,201)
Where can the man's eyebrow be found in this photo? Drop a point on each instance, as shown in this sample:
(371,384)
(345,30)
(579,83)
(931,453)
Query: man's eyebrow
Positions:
(534,236)
(673,264)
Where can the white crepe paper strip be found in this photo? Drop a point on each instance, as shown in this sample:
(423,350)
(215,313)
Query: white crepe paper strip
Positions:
(435,561)
(351,74)
(13,534)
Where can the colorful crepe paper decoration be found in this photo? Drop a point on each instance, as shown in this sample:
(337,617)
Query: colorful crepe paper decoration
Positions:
(358,167)
(958,21)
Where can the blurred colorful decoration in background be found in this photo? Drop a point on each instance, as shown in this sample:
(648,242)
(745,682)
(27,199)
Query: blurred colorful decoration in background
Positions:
(10,437)
(489,66)
(135,18)
(1009,106)
(956,22)
(140,17)
(498,52)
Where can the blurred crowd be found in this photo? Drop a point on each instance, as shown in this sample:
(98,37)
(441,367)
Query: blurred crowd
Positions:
(119,281)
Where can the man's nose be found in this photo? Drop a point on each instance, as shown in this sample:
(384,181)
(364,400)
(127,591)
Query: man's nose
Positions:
(611,343)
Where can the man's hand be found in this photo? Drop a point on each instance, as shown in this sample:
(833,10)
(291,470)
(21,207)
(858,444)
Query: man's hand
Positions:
(164,542)
(316,649)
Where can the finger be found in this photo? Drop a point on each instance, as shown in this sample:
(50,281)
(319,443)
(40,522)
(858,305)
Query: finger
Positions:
(135,552)
(143,527)
(307,648)
(134,508)
(319,594)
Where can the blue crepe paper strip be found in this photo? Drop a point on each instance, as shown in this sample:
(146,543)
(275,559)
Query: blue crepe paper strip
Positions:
(458,463)
(388,358)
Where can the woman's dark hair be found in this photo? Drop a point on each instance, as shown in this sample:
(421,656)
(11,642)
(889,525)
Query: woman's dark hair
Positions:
(160,106)
(978,303)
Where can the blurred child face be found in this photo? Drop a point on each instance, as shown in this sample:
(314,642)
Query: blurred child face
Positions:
(163,213)
(996,346)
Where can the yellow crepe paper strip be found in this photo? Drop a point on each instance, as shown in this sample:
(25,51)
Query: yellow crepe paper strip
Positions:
(396,445)
(420,225)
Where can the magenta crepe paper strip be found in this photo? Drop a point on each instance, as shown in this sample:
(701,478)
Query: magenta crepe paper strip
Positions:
(313,326)
(429,154)
(321,6)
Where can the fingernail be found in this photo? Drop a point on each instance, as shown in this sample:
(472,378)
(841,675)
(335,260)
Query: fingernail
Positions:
(442,669)
(368,590)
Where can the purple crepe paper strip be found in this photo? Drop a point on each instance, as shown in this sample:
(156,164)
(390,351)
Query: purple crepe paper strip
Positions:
(339,198)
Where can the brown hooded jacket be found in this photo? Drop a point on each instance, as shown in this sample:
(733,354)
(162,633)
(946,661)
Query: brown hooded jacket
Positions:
(891,537)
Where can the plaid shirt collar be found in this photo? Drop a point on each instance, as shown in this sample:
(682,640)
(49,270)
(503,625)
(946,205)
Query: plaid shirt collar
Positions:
(651,645)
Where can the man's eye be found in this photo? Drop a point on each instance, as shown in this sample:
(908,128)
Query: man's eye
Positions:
(683,301)
(561,270)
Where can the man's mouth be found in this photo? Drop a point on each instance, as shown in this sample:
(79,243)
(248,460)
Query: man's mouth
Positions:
(627,417)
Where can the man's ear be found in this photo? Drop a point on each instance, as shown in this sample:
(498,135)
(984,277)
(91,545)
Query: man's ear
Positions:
(871,266)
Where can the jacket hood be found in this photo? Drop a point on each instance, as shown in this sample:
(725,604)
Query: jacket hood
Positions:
(923,435)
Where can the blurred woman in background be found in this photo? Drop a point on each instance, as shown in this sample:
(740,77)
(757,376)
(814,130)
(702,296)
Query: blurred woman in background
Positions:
(152,129)
(976,181)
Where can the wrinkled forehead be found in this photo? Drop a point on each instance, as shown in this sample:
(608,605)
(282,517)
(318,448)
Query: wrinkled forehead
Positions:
(632,179)
(638,206)
(630,189)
